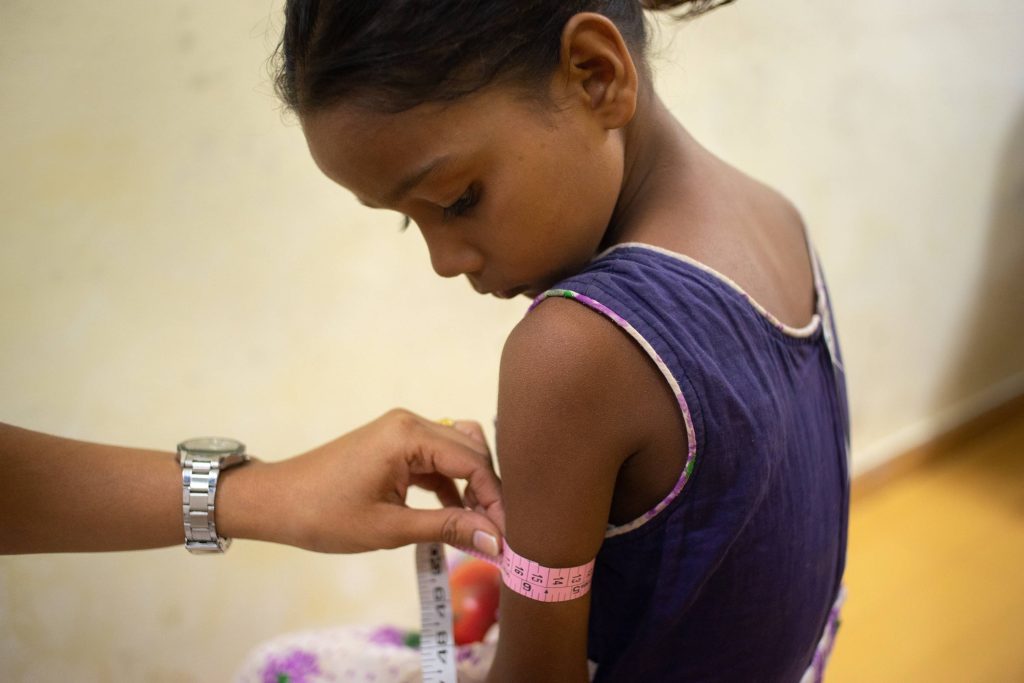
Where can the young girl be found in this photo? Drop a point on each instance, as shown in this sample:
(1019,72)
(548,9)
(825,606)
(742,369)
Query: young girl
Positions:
(673,404)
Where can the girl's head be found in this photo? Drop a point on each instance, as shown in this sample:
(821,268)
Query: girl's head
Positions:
(498,126)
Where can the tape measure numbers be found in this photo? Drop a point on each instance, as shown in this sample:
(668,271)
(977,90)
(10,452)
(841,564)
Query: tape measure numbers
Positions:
(437,640)
(525,577)
(546,584)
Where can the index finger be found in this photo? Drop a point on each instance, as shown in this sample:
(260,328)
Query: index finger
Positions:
(460,432)
(445,453)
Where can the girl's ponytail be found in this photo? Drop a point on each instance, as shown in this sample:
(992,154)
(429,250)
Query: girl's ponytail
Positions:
(690,8)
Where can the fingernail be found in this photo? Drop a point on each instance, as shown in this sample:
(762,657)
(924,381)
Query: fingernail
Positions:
(485,543)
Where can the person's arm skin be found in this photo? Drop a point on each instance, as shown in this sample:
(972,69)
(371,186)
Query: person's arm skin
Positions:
(64,495)
(61,495)
(569,414)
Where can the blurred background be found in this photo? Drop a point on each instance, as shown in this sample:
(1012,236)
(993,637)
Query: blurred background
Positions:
(172,264)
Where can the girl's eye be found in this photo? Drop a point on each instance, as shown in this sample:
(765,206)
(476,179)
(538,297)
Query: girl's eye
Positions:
(463,204)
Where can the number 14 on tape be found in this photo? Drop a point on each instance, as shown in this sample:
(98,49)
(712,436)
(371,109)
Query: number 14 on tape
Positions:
(437,640)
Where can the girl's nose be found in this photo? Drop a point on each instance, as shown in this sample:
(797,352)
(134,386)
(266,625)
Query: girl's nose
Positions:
(449,255)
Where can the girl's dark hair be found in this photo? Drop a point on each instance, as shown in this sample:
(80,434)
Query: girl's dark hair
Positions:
(391,55)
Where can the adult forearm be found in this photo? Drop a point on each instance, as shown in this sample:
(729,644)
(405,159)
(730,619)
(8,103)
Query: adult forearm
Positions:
(62,495)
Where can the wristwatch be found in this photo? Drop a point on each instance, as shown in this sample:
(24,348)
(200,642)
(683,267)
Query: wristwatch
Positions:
(202,461)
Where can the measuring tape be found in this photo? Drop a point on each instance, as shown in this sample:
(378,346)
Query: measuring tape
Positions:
(546,584)
(437,640)
(525,577)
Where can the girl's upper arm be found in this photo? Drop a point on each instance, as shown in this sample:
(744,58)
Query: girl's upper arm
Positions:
(566,422)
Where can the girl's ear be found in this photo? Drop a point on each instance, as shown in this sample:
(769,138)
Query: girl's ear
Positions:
(598,69)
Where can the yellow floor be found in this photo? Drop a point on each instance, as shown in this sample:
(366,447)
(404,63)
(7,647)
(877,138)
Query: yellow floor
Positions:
(935,571)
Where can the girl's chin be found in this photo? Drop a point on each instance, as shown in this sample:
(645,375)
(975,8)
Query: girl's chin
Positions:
(510,293)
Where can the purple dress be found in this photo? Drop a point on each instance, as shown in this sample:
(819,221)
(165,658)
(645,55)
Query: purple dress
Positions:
(736,574)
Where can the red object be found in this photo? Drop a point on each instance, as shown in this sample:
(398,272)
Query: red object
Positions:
(476,586)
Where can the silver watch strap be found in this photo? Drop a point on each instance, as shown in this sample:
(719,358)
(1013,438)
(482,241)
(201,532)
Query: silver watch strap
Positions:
(202,460)
(199,490)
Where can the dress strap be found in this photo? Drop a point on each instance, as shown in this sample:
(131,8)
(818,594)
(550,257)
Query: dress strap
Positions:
(823,304)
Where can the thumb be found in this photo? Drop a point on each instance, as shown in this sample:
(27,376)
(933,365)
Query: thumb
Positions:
(457,527)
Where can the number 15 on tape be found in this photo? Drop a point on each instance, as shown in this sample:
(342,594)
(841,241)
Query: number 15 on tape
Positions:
(437,640)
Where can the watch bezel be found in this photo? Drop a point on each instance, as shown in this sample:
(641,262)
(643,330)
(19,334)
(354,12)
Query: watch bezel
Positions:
(218,446)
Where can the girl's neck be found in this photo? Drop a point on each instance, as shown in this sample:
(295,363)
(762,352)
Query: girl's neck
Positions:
(661,162)
(677,195)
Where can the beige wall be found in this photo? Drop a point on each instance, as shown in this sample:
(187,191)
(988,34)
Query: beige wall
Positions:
(172,264)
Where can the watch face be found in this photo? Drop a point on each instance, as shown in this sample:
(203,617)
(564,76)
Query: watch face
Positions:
(214,445)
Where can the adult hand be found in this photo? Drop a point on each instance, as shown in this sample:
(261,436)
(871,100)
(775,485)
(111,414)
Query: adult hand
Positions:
(350,495)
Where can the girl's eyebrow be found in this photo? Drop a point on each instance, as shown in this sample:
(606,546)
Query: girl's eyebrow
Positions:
(409,183)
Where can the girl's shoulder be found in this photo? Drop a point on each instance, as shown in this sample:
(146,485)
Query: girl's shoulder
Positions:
(571,357)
